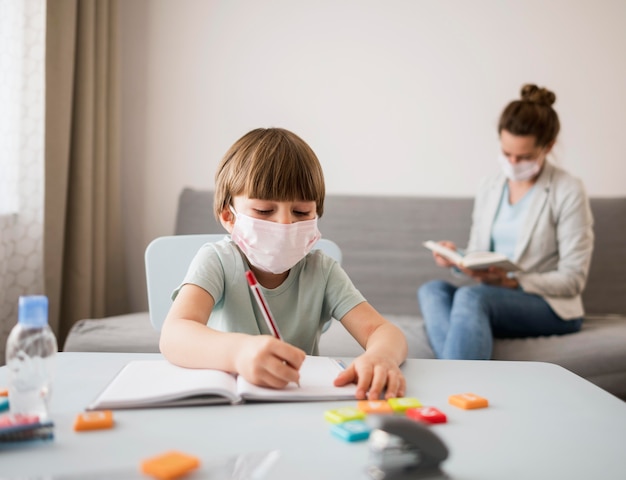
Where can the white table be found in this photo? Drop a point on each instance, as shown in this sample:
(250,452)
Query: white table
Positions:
(543,422)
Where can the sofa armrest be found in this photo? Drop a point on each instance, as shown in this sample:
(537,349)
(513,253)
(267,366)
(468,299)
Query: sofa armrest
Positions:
(123,333)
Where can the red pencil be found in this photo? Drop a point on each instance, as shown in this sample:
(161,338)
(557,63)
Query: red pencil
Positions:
(260,300)
(263,306)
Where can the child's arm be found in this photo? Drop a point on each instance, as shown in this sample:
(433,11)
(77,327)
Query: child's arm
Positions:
(385,350)
(188,342)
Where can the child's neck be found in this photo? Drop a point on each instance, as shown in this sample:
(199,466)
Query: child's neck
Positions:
(269,280)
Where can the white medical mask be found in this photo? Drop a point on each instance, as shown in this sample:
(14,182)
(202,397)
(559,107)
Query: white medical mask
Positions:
(271,246)
(520,171)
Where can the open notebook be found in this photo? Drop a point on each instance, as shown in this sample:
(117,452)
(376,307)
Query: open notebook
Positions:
(158,383)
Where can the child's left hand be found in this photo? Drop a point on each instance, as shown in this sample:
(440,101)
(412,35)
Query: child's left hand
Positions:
(373,373)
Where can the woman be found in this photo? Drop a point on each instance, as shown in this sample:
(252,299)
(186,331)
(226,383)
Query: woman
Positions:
(536,214)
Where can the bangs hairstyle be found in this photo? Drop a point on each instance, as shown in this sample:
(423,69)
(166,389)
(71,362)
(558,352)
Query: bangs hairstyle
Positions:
(269,164)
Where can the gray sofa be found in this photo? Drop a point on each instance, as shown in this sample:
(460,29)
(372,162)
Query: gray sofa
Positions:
(381,237)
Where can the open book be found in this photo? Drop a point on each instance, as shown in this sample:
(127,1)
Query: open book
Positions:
(158,383)
(473,260)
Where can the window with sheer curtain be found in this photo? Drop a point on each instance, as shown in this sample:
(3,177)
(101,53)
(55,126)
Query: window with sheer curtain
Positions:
(22,48)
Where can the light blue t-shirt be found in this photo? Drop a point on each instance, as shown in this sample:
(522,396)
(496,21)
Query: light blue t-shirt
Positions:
(508,222)
(316,290)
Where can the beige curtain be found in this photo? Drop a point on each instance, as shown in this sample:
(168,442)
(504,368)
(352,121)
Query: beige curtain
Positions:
(83,243)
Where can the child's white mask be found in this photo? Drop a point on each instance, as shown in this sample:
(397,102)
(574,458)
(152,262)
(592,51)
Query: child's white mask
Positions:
(274,247)
(521,171)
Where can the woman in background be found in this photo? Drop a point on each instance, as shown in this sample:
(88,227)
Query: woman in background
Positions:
(536,214)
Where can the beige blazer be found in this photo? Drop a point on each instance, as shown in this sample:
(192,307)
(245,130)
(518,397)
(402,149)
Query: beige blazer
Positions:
(556,239)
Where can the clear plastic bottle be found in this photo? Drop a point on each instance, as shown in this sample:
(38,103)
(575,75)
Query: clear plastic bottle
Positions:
(31,358)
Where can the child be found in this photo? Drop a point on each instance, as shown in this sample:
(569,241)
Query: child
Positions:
(269,193)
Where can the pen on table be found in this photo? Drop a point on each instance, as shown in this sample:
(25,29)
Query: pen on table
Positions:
(263,306)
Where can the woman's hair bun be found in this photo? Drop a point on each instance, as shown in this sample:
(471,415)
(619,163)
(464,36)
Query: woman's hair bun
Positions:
(543,96)
(532,115)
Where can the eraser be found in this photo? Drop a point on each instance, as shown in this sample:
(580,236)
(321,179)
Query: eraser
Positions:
(95,420)
(427,414)
(344,414)
(352,431)
(468,401)
(402,404)
(169,465)
(4,392)
(376,407)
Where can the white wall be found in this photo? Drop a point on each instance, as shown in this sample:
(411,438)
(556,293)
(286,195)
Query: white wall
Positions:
(395,97)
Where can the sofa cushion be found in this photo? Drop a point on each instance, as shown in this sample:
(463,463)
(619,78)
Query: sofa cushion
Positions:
(596,353)
(606,283)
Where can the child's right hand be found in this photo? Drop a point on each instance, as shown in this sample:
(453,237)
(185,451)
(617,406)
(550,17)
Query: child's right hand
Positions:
(268,362)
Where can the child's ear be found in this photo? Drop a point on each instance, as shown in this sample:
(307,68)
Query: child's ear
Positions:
(227,219)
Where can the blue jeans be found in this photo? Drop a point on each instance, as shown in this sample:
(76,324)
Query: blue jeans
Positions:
(462,321)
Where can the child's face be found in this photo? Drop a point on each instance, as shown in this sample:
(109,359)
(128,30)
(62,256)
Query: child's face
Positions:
(270,210)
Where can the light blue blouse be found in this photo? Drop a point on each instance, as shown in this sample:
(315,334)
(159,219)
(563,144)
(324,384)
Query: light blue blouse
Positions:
(508,222)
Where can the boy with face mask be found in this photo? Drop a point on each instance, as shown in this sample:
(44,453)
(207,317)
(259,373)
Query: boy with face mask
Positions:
(269,193)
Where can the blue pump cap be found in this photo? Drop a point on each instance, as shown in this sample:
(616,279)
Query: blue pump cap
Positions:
(33,310)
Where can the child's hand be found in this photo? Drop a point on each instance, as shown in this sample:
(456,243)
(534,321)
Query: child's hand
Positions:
(372,373)
(269,362)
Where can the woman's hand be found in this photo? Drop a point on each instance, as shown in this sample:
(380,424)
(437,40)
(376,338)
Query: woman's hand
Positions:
(268,362)
(493,276)
(373,374)
(443,261)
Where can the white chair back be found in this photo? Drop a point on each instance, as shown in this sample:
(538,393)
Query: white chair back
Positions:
(167,260)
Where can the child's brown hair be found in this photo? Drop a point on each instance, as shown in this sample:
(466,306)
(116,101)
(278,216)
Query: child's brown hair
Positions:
(269,164)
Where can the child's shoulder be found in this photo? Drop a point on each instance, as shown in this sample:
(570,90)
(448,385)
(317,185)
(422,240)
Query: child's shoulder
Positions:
(223,249)
(320,255)
(318,259)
